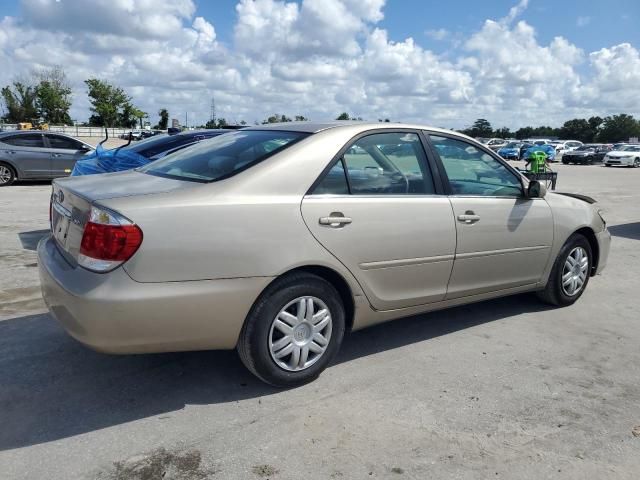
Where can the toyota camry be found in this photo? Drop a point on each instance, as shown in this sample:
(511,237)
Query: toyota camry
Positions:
(276,240)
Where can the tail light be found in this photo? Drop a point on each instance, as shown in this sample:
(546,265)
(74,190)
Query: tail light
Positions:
(108,240)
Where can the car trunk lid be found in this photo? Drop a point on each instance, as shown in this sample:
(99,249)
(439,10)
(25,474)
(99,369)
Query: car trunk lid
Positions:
(72,198)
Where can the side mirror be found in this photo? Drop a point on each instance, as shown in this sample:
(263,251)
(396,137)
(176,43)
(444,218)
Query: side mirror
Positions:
(536,189)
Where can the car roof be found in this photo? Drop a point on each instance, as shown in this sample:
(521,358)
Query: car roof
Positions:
(27,132)
(315,127)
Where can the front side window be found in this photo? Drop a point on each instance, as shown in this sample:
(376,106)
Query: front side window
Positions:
(381,164)
(223,156)
(474,172)
(29,140)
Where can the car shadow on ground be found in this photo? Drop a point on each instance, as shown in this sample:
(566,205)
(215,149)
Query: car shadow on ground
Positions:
(54,388)
(30,239)
(626,230)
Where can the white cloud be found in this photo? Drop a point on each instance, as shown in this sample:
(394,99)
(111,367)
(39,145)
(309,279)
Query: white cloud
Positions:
(583,21)
(317,58)
(439,34)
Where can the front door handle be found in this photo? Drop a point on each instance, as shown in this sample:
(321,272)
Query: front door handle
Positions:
(335,220)
(56,155)
(469,217)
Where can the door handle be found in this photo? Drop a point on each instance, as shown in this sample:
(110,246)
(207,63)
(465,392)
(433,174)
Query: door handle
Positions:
(335,220)
(56,155)
(469,217)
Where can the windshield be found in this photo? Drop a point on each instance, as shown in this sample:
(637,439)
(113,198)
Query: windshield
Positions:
(513,145)
(631,148)
(223,156)
(585,147)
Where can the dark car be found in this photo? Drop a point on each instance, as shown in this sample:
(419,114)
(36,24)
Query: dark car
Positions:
(38,155)
(523,148)
(139,153)
(586,154)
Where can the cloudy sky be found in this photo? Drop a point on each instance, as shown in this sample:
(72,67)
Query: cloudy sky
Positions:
(512,62)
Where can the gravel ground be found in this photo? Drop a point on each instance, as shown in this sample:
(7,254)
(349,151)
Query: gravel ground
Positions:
(502,389)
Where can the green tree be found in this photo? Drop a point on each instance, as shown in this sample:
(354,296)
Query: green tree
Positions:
(480,128)
(163,124)
(277,118)
(503,132)
(301,118)
(110,105)
(20,102)
(53,96)
(343,116)
(577,129)
(618,128)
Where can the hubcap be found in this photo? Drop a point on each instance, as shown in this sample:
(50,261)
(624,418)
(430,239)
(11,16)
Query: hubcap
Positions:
(575,271)
(300,334)
(5,174)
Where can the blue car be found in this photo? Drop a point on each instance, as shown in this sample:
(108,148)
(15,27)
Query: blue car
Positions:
(511,151)
(548,149)
(140,153)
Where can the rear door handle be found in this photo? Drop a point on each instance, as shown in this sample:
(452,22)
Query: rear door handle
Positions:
(469,217)
(335,220)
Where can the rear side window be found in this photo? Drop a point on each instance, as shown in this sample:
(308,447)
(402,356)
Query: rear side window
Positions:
(224,155)
(57,141)
(381,164)
(29,140)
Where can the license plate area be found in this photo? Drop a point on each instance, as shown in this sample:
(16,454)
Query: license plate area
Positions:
(60,221)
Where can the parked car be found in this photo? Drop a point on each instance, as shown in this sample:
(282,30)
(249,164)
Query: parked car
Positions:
(511,151)
(38,155)
(586,154)
(628,155)
(276,240)
(549,151)
(495,144)
(564,146)
(538,141)
(139,153)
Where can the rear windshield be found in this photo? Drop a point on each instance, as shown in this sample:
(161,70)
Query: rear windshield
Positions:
(223,156)
(152,146)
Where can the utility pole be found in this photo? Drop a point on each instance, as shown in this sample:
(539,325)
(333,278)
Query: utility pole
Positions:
(186,120)
(212,117)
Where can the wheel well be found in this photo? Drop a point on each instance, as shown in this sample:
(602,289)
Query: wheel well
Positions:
(593,243)
(13,169)
(339,283)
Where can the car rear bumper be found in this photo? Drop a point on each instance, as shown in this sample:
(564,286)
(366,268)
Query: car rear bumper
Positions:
(115,314)
(604,245)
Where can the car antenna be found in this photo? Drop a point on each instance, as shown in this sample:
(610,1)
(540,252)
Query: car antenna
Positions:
(106,133)
(126,144)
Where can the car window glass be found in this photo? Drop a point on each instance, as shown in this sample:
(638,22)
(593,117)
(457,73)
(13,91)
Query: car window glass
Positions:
(29,140)
(334,182)
(388,164)
(63,142)
(474,172)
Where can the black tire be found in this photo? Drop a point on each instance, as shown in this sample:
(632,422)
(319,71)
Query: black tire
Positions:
(4,167)
(253,344)
(607,165)
(565,162)
(636,162)
(553,293)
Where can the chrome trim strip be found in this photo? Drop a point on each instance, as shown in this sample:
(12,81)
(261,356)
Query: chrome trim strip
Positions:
(61,210)
(403,262)
(489,253)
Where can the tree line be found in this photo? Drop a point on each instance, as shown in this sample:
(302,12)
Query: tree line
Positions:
(610,129)
(45,96)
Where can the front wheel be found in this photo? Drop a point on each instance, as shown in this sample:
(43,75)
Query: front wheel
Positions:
(293,331)
(636,163)
(7,175)
(570,273)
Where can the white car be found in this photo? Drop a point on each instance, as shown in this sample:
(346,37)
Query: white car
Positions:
(566,145)
(495,144)
(628,156)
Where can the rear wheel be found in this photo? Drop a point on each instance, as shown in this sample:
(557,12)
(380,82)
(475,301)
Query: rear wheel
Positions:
(293,331)
(570,273)
(636,163)
(7,175)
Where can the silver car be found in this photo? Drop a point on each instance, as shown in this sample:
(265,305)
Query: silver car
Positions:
(37,155)
(276,240)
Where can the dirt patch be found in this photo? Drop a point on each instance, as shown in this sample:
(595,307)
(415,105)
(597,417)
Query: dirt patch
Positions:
(264,471)
(161,464)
